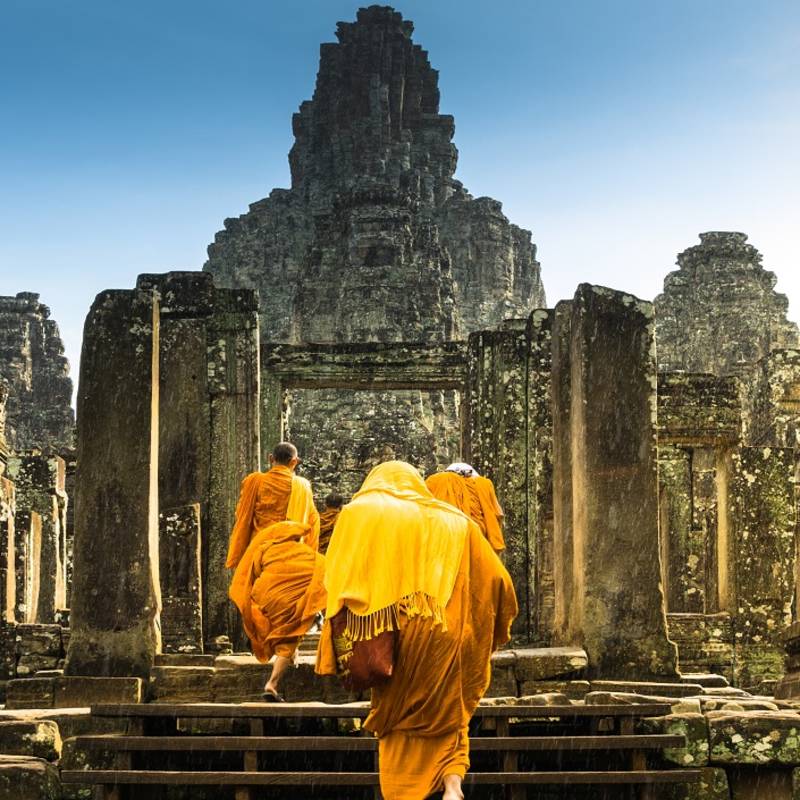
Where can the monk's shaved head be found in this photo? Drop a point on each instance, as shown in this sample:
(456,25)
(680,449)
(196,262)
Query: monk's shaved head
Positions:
(334,500)
(284,453)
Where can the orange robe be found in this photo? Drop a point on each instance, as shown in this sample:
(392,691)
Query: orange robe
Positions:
(278,588)
(441,670)
(327,521)
(269,497)
(474,496)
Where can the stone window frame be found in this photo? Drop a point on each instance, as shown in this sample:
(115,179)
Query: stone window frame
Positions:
(362,366)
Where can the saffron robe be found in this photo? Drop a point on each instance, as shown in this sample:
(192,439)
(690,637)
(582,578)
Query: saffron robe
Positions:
(453,606)
(269,497)
(327,522)
(278,588)
(475,496)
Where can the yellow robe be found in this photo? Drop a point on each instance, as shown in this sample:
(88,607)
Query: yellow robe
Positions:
(453,603)
(474,496)
(269,497)
(278,588)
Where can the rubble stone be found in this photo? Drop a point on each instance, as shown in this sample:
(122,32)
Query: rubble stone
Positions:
(754,737)
(39,738)
(28,778)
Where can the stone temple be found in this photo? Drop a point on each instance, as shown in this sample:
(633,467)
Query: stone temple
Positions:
(646,455)
(375,241)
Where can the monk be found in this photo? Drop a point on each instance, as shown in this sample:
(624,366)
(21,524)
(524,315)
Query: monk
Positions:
(278,582)
(327,519)
(402,560)
(462,487)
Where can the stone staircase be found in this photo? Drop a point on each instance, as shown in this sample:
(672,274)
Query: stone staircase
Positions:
(295,750)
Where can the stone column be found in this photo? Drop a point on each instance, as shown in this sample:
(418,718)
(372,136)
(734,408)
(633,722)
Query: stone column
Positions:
(616,611)
(233,385)
(540,474)
(763,545)
(8,586)
(209,437)
(181,581)
(27,551)
(39,481)
(497,444)
(562,469)
(115,593)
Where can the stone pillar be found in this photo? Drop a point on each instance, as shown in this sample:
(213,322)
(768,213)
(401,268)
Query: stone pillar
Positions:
(540,474)
(763,544)
(115,593)
(8,586)
(39,481)
(616,610)
(209,416)
(181,581)
(28,557)
(497,445)
(562,469)
(233,385)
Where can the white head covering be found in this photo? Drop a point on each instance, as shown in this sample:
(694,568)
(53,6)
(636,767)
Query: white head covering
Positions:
(463,469)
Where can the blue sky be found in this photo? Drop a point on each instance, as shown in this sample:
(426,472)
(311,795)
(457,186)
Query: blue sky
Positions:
(616,131)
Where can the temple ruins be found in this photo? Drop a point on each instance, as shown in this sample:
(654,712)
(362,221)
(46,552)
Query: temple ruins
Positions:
(645,454)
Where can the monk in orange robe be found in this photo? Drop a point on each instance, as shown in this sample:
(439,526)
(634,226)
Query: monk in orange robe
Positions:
(462,487)
(403,560)
(278,577)
(327,520)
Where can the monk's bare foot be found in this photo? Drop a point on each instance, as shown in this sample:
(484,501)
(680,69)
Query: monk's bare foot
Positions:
(452,788)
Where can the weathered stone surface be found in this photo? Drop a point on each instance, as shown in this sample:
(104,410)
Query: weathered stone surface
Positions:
(376,241)
(614,538)
(694,729)
(39,408)
(719,310)
(39,738)
(238,679)
(766,521)
(679,705)
(115,593)
(27,778)
(754,737)
(540,585)
(181,684)
(537,664)
(74,691)
(705,641)
(39,481)
(208,420)
(642,687)
(8,651)
(181,581)
(74,757)
(713,785)
(70,721)
(30,693)
(497,447)
(574,690)
(39,639)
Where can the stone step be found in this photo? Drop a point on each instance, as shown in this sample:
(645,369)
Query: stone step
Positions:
(648,688)
(185,659)
(705,679)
